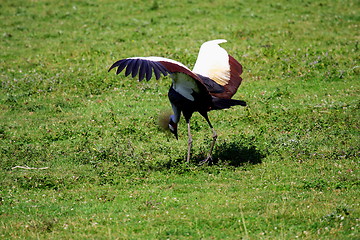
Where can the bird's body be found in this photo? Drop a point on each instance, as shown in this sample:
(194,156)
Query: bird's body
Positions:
(210,86)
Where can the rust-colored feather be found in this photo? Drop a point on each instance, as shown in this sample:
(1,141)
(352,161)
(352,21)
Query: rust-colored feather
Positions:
(173,68)
(234,82)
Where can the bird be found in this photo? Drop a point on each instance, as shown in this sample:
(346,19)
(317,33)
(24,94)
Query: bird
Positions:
(215,78)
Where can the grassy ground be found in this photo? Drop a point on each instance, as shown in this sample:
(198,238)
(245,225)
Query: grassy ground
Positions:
(288,164)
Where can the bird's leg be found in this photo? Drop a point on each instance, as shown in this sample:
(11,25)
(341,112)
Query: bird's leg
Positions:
(209,157)
(214,136)
(189,143)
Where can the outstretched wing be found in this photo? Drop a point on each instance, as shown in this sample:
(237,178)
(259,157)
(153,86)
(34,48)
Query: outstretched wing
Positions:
(215,63)
(145,66)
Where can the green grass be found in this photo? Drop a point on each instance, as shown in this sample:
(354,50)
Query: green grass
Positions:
(287,165)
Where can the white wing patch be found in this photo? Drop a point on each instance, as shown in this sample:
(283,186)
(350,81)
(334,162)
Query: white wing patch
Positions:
(213,62)
(184,84)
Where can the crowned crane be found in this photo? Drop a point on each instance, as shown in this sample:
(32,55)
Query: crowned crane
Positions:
(209,86)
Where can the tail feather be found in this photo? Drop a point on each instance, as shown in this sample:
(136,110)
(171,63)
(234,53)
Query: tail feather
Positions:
(221,103)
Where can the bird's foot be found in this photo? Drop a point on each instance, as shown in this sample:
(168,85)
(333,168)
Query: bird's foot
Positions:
(208,160)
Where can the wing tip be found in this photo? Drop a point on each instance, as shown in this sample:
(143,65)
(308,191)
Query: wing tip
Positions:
(113,66)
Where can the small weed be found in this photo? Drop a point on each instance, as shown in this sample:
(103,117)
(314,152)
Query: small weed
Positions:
(317,184)
(45,225)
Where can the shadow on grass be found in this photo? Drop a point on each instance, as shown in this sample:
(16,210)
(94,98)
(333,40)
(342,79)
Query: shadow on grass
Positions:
(235,154)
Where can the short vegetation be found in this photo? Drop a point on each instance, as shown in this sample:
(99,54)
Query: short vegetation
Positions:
(100,167)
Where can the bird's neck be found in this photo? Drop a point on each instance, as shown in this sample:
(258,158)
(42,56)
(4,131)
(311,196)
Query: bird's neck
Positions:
(176,116)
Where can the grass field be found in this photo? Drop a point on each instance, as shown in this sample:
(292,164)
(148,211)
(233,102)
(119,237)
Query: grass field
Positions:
(287,165)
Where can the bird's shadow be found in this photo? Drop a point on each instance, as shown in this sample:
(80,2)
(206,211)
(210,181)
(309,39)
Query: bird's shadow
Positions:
(234,154)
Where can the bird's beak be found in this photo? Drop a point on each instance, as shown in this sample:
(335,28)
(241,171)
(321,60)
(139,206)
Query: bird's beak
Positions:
(176,134)
(173,127)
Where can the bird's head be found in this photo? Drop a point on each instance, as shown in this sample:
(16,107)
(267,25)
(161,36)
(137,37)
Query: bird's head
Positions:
(167,122)
(173,127)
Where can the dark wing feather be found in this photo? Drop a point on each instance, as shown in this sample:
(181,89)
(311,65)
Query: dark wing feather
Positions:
(129,68)
(148,70)
(211,86)
(121,64)
(156,70)
(144,67)
(161,68)
(141,67)
(135,68)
